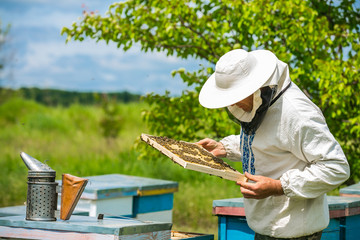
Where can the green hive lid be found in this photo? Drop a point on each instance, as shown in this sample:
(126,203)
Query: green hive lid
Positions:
(335,202)
(86,224)
(352,189)
(340,202)
(231,202)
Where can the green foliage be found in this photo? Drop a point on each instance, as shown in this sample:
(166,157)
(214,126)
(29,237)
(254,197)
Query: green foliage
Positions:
(112,122)
(319,40)
(69,138)
(181,117)
(55,97)
(14,110)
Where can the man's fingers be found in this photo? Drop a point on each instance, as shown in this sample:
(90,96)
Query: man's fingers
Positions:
(251,177)
(247,185)
(202,142)
(248,188)
(207,143)
(248,193)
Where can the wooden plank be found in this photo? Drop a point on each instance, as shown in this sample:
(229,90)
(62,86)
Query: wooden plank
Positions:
(353,211)
(349,195)
(200,159)
(176,235)
(42,234)
(156,191)
(26,233)
(112,226)
(337,213)
(229,211)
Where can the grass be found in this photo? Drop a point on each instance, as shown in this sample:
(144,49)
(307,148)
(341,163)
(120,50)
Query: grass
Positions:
(71,141)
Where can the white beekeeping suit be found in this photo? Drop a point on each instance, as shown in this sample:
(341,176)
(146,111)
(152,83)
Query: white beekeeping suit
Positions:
(285,137)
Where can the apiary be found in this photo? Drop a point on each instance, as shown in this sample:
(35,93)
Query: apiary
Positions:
(110,203)
(116,195)
(192,156)
(344,219)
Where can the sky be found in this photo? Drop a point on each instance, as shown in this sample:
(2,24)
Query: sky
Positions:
(39,57)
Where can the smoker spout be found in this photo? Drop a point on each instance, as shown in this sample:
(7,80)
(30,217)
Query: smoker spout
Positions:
(34,164)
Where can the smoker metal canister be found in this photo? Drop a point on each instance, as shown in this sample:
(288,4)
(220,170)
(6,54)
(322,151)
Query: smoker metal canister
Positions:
(42,197)
(41,201)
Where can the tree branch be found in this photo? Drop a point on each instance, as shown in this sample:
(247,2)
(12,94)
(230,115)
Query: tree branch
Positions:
(212,52)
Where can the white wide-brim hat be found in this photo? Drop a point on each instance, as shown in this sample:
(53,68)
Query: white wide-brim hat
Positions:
(238,74)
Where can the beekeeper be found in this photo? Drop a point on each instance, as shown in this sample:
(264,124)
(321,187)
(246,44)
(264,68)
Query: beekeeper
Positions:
(287,151)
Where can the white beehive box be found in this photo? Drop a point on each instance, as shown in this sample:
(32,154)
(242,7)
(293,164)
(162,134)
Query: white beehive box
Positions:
(117,195)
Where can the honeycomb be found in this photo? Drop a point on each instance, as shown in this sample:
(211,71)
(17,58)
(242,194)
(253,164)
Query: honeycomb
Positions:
(191,152)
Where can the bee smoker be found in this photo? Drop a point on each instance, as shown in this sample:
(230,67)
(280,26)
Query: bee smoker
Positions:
(41,201)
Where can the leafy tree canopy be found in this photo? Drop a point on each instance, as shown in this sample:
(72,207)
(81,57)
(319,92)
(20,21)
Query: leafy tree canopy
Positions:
(318,39)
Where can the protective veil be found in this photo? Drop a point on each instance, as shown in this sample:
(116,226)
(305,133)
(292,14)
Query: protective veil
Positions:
(263,98)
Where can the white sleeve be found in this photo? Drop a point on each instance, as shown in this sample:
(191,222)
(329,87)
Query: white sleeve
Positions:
(327,166)
(232,147)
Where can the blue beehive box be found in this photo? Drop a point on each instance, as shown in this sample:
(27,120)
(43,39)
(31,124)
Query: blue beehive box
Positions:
(116,195)
(232,222)
(344,219)
(81,227)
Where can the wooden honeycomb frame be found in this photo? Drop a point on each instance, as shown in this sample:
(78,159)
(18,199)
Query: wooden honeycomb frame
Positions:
(192,156)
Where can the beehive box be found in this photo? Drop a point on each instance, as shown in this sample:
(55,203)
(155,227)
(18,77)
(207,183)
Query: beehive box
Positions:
(83,227)
(154,207)
(232,222)
(117,195)
(344,219)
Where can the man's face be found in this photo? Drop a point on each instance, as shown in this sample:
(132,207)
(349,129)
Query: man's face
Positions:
(246,104)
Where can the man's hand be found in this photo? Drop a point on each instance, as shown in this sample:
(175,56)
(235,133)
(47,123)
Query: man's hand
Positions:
(213,146)
(261,187)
